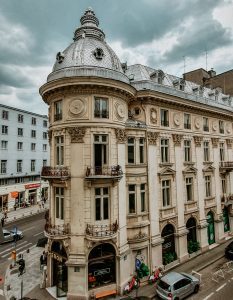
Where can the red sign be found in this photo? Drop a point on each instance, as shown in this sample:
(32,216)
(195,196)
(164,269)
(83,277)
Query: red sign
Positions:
(32,186)
(14,194)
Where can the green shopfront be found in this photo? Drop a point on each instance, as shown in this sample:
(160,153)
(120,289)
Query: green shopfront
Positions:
(210,228)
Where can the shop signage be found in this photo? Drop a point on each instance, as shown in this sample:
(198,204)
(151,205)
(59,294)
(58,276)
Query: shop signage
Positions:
(102,272)
(55,256)
(14,194)
(32,186)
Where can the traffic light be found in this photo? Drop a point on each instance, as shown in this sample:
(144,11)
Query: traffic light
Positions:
(21,263)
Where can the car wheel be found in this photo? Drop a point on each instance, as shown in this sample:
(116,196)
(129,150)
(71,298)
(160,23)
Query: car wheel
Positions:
(196,289)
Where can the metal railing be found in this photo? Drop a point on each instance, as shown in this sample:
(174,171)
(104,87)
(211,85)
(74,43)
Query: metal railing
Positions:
(57,229)
(226,164)
(55,172)
(104,230)
(112,171)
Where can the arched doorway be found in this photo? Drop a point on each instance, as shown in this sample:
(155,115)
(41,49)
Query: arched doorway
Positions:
(226,222)
(60,276)
(192,243)
(168,246)
(101,265)
(211,231)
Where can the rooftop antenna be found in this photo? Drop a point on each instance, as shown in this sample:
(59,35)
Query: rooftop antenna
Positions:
(184,58)
(206,59)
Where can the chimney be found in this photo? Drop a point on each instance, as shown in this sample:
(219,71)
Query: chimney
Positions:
(212,73)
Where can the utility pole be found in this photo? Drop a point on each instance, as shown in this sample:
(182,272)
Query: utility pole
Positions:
(184,58)
(206,59)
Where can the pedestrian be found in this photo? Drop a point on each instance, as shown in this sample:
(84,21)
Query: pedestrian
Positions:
(42,203)
(5,213)
(43,260)
(2,221)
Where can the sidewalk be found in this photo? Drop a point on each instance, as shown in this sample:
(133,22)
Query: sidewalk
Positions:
(197,263)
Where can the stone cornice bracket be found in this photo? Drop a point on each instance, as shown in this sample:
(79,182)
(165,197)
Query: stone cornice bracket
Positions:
(121,135)
(229,143)
(152,137)
(198,140)
(215,142)
(76,134)
(177,139)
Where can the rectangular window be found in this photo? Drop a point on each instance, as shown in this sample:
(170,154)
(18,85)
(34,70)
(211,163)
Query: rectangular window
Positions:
(101,108)
(5,114)
(100,152)
(187,150)
(224,185)
(33,165)
(166,192)
(20,118)
(33,146)
(141,150)
(102,203)
(221,127)
(164,150)
(4,145)
(206,151)
(20,131)
(33,121)
(205,124)
(189,188)
(19,166)
(187,121)
(132,198)
(45,135)
(59,202)
(45,123)
(20,146)
(3,166)
(44,162)
(164,117)
(222,151)
(33,133)
(207,186)
(58,110)
(59,146)
(4,129)
(44,147)
(143,197)
(131,150)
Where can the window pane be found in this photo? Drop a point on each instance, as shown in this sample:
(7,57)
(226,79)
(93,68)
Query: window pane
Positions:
(132,208)
(105,209)
(57,207)
(97,191)
(97,209)
(62,208)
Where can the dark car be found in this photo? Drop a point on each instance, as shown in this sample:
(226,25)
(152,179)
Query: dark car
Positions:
(229,251)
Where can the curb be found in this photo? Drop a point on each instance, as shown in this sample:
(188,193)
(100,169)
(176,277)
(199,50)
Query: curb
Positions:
(210,263)
(23,216)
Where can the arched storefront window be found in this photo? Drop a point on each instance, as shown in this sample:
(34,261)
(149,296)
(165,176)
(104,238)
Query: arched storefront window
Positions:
(192,243)
(101,265)
(210,229)
(60,276)
(168,246)
(226,222)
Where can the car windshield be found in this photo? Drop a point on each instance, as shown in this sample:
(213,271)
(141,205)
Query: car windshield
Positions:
(163,285)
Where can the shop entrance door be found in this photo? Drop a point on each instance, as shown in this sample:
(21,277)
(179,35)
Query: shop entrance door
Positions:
(211,231)
(226,222)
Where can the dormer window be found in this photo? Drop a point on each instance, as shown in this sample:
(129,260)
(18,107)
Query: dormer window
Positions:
(60,57)
(99,53)
(179,84)
(159,75)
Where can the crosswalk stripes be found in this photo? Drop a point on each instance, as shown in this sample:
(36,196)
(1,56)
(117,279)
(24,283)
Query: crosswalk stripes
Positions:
(24,246)
(1,292)
(12,247)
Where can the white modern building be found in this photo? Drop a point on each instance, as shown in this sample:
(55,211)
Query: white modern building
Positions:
(24,150)
(141,167)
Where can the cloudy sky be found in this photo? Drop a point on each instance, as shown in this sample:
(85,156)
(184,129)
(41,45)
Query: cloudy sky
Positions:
(157,33)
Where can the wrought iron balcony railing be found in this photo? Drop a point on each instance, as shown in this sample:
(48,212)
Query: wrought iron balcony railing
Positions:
(226,166)
(105,171)
(102,231)
(57,230)
(48,172)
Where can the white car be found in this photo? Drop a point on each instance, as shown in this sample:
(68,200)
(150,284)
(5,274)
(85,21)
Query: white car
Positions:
(10,235)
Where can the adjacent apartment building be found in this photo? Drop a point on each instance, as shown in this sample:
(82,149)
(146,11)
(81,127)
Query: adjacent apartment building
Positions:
(140,167)
(24,150)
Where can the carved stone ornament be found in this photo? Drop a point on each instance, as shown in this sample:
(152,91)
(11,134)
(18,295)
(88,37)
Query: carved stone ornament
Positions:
(77,107)
(198,140)
(177,139)
(176,119)
(121,135)
(152,137)
(197,123)
(228,127)
(153,115)
(77,134)
(214,125)
(120,111)
(140,235)
(215,142)
(229,143)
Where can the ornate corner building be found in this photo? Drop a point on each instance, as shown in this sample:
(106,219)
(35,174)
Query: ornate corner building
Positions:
(141,167)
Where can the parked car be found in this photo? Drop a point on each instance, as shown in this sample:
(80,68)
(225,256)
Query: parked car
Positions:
(229,251)
(11,235)
(176,286)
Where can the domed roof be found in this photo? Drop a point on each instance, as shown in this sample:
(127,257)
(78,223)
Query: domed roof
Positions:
(89,54)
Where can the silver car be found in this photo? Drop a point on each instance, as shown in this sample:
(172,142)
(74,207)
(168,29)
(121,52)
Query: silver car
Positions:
(10,235)
(176,286)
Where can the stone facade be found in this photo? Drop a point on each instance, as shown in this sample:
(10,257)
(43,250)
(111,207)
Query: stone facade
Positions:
(143,171)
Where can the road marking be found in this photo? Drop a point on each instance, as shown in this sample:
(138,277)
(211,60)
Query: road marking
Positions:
(13,247)
(29,228)
(17,249)
(208,296)
(222,286)
(38,233)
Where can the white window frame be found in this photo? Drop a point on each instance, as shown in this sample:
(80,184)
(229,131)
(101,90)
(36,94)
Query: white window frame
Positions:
(164,150)
(101,198)
(208,186)
(3,166)
(206,151)
(187,151)
(59,150)
(189,185)
(166,192)
(59,197)
(101,108)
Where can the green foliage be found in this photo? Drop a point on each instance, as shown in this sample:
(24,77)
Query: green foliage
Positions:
(169,257)
(143,271)
(193,246)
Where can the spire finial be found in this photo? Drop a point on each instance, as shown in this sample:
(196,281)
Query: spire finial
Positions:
(89,17)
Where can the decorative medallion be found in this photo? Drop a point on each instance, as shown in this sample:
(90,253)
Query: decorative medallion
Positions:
(197,123)
(121,135)
(177,139)
(152,137)
(98,53)
(153,115)
(77,107)
(77,134)
(228,127)
(120,110)
(177,119)
(214,125)
(198,140)
(215,142)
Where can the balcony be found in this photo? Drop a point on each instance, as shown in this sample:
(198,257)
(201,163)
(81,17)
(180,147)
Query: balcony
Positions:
(205,128)
(226,166)
(61,173)
(101,232)
(105,172)
(56,231)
